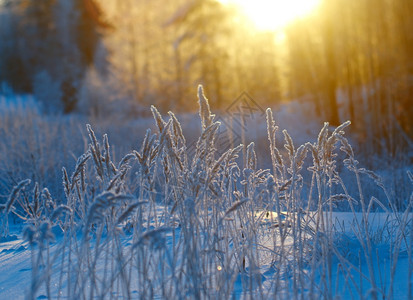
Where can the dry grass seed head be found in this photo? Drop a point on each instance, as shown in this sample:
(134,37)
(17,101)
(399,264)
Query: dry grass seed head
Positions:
(60,210)
(124,163)
(204,111)
(300,156)
(271,127)
(322,137)
(177,129)
(251,157)
(235,206)
(15,193)
(158,118)
(110,167)
(289,145)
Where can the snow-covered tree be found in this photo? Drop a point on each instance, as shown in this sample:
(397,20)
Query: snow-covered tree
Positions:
(56,39)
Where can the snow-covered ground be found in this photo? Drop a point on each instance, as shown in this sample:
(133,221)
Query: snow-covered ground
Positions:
(16,262)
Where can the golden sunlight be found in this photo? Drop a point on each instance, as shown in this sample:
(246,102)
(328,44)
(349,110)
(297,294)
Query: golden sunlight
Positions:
(276,14)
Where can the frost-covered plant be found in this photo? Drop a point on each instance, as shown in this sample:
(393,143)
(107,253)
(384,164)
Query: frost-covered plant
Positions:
(162,223)
(10,206)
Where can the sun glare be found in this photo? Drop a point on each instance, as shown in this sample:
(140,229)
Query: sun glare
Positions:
(274,14)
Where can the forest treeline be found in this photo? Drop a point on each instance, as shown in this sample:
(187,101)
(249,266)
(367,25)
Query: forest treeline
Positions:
(361,50)
(352,58)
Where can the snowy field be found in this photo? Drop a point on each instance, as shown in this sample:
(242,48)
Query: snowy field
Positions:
(172,218)
(16,265)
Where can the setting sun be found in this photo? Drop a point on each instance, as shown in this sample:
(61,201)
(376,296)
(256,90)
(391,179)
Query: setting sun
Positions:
(274,15)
